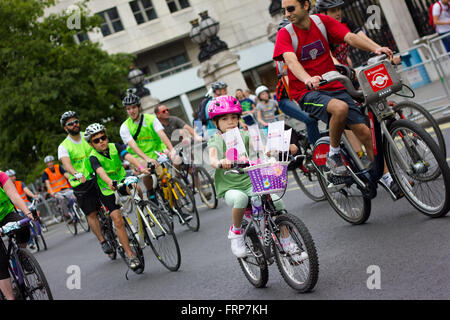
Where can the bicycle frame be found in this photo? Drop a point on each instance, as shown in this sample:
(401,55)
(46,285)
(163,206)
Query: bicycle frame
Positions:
(167,186)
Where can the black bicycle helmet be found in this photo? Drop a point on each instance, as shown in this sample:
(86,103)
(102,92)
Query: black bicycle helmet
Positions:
(131,99)
(66,116)
(324,5)
(283,23)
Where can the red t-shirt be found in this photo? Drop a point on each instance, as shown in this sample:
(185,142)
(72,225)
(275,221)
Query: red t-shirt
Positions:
(313,53)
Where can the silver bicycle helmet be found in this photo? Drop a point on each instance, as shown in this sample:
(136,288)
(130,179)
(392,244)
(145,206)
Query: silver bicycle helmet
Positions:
(49,159)
(92,130)
(218,85)
(131,99)
(66,116)
(10,172)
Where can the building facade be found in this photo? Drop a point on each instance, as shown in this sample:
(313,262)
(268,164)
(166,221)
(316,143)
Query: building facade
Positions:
(157,32)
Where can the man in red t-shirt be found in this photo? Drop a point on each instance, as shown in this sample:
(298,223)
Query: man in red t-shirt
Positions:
(306,66)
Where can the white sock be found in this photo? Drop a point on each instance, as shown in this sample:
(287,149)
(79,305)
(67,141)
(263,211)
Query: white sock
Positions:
(387,178)
(236,230)
(334,150)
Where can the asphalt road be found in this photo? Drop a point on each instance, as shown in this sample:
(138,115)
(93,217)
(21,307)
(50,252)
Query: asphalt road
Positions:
(410,249)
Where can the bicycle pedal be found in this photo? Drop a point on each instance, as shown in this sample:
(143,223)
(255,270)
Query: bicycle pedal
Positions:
(337,180)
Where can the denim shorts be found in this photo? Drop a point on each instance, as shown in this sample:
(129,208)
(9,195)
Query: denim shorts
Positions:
(315,103)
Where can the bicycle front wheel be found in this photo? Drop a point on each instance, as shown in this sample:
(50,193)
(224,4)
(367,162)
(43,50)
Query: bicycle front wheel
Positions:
(82,220)
(301,275)
(184,203)
(36,285)
(135,247)
(306,178)
(159,234)
(206,188)
(416,113)
(427,184)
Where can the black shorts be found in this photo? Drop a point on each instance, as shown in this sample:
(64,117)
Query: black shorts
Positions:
(22,236)
(110,201)
(315,103)
(87,195)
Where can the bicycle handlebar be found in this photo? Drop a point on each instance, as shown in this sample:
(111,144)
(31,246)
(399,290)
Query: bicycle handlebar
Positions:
(336,76)
(10,226)
(118,185)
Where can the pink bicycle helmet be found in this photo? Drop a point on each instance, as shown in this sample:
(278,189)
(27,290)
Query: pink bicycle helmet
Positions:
(224,105)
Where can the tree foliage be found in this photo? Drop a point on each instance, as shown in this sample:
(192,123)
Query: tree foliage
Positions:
(45,72)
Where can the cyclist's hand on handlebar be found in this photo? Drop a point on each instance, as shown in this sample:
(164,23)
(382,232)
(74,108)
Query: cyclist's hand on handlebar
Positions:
(153,161)
(112,185)
(225,164)
(145,170)
(313,83)
(385,50)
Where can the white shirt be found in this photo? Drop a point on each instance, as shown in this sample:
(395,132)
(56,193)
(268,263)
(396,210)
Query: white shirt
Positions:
(125,132)
(444,15)
(62,151)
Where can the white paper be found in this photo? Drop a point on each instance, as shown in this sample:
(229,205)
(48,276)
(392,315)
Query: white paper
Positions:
(234,140)
(255,138)
(287,140)
(275,136)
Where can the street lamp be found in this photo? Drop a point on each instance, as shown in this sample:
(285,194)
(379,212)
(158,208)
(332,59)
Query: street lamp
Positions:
(136,78)
(210,27)
(201,39)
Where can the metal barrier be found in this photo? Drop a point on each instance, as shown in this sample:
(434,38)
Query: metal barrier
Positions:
(432,62)
(46,207)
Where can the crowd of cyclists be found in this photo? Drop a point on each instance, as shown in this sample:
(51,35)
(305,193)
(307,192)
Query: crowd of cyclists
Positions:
(306,47)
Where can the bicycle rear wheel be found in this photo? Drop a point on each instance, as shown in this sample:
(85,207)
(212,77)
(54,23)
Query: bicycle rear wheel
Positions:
(36,285)
(206,189)
(254,265)
(306,178)
(301,276)
(427,187)
(416,113)
(159,234)
(185,202)
(71,225)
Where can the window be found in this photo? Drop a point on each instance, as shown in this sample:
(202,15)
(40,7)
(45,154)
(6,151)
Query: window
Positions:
(143,10)
(175,5)
(82,37)
(172,63)
(111,22)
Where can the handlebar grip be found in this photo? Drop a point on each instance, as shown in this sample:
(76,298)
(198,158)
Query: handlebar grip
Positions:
(114,183)
(321,83)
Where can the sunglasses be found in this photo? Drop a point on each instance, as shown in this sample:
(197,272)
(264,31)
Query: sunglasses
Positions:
(72,123)
(102,138)
(288,9)
(163,111)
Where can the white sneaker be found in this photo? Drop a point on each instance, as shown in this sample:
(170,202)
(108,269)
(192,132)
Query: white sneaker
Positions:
(293,250)
(237,244)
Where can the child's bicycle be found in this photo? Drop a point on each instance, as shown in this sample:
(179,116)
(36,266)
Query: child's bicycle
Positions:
(262,234)
(28,279)
(412,156)
(152,226)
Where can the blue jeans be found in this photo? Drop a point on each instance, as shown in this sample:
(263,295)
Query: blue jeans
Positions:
(293,110)
(446,41)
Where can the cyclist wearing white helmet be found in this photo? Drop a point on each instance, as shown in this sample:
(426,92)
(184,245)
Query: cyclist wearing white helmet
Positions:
(106,160)
(74,152)
(266,107)
(21,188)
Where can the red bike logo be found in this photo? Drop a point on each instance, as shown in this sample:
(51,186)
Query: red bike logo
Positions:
(378,78)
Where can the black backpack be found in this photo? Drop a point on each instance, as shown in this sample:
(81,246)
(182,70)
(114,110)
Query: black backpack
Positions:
(201,112)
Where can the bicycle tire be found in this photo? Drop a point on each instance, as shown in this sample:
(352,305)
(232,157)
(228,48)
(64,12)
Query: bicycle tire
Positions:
(44,227)
(430,122)
(164,206)
(135,247)
(312,261)
(309,183)
(41,281)
(72,226)
(109,236)
(177,187)
(259,275)
(428,148)
(82,219)
(165,246)
(212,202)
(41,239)
(36,243)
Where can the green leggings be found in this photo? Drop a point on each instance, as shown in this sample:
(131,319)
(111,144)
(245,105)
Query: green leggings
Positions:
(238,199)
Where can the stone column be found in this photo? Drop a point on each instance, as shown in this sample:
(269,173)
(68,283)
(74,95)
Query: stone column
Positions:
(223,66)
(276,17)
(400,22)
(149,103)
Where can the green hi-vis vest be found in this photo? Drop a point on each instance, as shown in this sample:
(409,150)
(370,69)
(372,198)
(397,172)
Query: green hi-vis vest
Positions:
(79,157)
(6,207)
(148,140)
(113,168)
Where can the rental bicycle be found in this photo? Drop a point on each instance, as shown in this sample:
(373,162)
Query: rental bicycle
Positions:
(28,279)
(265,228)
(153,226)
(413,158)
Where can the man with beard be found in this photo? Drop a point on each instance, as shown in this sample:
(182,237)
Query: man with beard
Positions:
(74,153)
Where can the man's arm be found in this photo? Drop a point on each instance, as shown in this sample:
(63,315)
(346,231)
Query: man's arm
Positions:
(49,188)
(29,193)
(162,135)
(439,22)
(11,192)
(299,72)
(190,130)
(361,43)
(69,168)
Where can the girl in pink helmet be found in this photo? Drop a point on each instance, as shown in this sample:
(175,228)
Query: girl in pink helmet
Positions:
(236,189)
